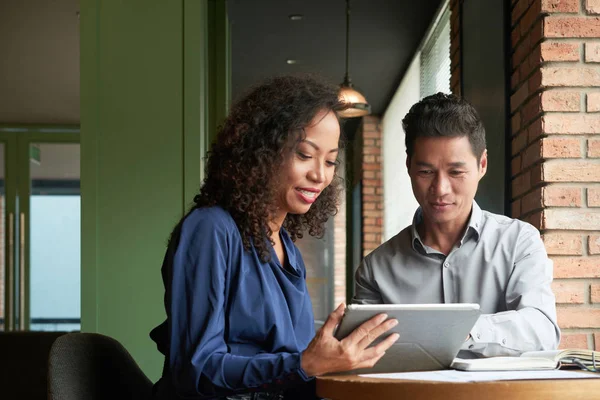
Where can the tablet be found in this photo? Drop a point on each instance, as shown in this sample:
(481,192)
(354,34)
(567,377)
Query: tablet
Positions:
(430,334)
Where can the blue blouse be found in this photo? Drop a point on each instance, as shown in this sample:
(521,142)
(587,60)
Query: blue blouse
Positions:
(233,322)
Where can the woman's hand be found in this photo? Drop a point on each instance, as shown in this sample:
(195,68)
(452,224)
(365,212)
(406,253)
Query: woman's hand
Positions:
(326,354)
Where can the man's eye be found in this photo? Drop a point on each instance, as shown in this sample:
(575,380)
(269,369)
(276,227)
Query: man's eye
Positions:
(425,172)
(456,173)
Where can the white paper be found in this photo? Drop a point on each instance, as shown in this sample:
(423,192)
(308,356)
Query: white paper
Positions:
(482,376)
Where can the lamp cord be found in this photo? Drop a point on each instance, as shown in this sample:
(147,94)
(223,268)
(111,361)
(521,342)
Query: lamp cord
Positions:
(347,77)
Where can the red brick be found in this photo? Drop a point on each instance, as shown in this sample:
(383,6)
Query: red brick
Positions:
(515,209)
(594,244)
(592,52)
(573,341)
(515,79)
(535,220)
(571,27)
(597,341)
(593,148)
(576,267)
(559,51)
(519,142)
(569,292)
(593,198)
(521,52)
(518,11)
(571,123)
(558,100)
(515,122)
(515,166)
(559,196)
(595,293)
(531,201)
(535,130)
(534,82)
(530,16)
(536,175)
(560,6)
(532,154)
(566,244)
(572,76)
(519,97)
(593,102)
(569,218)
(554,147)
(578,317)
(521,184)
(570,171)
(592,7)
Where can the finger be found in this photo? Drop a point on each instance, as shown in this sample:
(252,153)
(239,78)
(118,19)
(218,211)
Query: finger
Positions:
(365,328)
(333,320)
(376,332)
(370,362)
(379,350)
(386,343)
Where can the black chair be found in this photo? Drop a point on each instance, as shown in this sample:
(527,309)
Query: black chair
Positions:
(24,364)
(92,366)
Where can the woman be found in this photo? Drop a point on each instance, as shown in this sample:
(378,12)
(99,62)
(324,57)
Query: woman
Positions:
(239,317)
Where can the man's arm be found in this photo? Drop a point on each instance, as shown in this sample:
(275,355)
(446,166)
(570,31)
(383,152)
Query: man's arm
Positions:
(366,290)
(530,322)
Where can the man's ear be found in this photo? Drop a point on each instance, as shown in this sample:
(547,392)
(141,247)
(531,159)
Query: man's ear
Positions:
(483,162)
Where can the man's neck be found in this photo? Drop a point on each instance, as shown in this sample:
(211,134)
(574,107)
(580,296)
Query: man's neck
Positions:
(442,237)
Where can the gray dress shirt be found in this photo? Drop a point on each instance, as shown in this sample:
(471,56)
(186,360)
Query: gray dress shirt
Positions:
(500,263)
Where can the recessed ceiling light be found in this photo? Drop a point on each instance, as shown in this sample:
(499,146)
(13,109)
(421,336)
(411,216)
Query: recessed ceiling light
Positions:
(290,61)
(296,17)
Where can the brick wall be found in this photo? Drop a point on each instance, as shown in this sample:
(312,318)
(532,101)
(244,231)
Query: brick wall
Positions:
(555,104)
(372,184)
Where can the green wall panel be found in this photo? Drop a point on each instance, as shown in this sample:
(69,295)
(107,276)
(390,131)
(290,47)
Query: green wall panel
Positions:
(144,131)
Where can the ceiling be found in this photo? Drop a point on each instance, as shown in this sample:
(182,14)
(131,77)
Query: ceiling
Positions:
(39,49)
(384,35)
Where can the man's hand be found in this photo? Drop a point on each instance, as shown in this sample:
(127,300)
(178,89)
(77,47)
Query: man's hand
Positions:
(326,354)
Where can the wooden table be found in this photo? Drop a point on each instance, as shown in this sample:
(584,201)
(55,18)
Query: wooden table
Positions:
(354,387)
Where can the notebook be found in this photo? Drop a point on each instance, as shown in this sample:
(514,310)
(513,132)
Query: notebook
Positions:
(532,360)
(430,334)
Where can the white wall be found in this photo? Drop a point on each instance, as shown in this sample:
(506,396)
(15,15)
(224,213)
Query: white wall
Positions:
(400,203)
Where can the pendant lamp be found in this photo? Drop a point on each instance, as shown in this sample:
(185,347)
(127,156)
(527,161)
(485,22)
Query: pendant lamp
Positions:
(357,105)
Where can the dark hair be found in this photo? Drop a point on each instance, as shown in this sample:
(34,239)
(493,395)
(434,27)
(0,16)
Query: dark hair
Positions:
(444,115)
(257,137)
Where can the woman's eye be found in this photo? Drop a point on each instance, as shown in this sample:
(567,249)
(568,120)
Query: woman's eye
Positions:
(333,163)
(303,156)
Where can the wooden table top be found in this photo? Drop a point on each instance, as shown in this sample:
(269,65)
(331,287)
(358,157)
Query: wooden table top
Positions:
(349,387)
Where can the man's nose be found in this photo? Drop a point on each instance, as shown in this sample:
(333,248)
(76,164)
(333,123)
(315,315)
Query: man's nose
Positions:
(440,185)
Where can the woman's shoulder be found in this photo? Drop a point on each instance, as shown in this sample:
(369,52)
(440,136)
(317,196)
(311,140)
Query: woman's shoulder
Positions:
(209,219)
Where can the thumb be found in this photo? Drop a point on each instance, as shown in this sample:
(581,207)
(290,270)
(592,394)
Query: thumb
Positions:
(333,319)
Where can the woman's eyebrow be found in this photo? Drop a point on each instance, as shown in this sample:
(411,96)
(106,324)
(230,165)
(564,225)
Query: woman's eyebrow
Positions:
(316,147)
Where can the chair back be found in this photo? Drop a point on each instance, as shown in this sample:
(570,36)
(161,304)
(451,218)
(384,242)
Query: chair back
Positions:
(94,367)
(24,364)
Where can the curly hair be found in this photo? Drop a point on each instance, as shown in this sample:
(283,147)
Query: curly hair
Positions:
(257,137)
(444,115)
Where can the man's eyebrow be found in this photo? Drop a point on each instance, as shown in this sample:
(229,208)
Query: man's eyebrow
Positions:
(317,147)
(456,164)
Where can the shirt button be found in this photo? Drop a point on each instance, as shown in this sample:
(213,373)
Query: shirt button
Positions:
(479,336)
(446,264)
(503,341)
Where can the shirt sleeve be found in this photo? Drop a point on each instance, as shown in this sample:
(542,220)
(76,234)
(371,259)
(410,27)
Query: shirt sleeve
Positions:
(366,290)
(530,322)
(199,360)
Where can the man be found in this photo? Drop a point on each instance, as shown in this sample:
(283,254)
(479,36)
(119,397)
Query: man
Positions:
(454,252)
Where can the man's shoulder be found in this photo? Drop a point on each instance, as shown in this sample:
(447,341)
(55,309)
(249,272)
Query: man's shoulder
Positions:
(399,244)
(497,225)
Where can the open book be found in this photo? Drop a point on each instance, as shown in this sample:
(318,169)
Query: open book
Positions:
(532,360)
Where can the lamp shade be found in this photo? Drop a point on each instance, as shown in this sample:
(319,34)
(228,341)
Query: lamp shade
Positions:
(356,103)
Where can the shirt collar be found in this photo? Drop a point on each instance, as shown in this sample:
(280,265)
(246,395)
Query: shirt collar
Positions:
(475,222)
